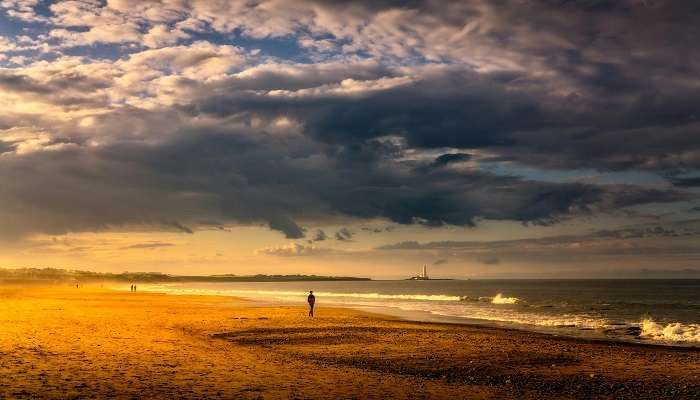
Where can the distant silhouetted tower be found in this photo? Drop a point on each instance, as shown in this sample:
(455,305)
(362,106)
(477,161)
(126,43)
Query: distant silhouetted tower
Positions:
(424,275)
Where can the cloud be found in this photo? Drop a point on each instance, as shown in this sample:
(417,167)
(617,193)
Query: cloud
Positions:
(622,233)
(490,260)
(285,225)
(449,158)
(292,250)
(343,235)
(631,241)
(160,36)
(137,114)
(440,261)
(20,83)
(687,182)
(179,227)
(176,163)
(320,236)
(149,245)
(198,60)
(406,245)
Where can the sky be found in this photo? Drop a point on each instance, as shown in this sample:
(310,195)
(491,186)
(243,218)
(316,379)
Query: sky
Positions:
(484,138)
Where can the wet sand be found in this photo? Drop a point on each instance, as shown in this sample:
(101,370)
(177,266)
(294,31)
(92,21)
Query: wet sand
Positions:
(63,342)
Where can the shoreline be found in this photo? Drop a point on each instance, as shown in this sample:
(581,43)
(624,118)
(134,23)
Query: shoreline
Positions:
(91,342)
(423,316)
(474,323)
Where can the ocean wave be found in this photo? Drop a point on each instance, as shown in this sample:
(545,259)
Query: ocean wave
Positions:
(673,332)
(497,299)
(488,313)
(493,309)
(302,295)
(500,299)
(380,296)
(564,321)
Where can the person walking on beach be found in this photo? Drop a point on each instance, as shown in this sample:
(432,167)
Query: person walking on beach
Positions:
(312,300)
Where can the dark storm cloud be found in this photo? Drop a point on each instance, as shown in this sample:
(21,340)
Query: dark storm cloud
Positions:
(446,159)
(687,182)
(631,71)
(550,84)
(285,225)
(278,181)
(448,107)
(452,107)
(621,86)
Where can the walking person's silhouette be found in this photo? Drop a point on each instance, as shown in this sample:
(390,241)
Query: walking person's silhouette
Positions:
(311,300)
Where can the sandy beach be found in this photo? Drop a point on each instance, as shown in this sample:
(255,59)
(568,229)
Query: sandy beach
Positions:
(63,342)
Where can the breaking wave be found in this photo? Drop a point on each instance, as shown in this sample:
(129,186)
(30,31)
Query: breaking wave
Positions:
(500,299)
(672,332)
(302,295)
(497,314)
(498,309)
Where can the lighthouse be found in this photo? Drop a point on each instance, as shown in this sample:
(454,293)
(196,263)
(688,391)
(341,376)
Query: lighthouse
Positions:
(423,276)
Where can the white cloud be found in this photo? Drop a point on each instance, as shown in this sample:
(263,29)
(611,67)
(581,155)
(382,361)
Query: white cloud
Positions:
(161,36)
(200,60)
(292,250)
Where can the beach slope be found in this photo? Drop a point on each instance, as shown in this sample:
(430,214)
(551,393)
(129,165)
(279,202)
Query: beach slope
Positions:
(59,342)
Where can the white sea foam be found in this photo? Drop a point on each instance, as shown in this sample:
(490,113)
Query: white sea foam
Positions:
(473,308)
(302,295)
(673,332)
(500,299)
(489,313)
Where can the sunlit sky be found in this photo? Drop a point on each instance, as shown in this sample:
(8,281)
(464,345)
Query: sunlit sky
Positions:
(366,138)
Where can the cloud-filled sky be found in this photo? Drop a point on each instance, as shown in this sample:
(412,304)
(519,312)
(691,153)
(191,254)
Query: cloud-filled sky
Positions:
(484,138)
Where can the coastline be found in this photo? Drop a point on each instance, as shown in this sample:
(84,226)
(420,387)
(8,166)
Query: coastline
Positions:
(91,342)
(573,334)
(615,332)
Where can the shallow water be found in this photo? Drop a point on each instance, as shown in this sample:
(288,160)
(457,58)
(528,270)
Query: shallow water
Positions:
(651,311)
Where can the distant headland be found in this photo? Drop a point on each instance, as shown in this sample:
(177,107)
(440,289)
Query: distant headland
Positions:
(58,275)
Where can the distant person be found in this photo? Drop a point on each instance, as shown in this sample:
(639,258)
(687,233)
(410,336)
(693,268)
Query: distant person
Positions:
(311,300)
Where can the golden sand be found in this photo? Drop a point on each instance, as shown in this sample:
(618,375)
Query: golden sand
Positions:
(63,342)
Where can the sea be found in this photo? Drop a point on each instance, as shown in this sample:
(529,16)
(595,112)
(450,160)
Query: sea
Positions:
(644,311)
